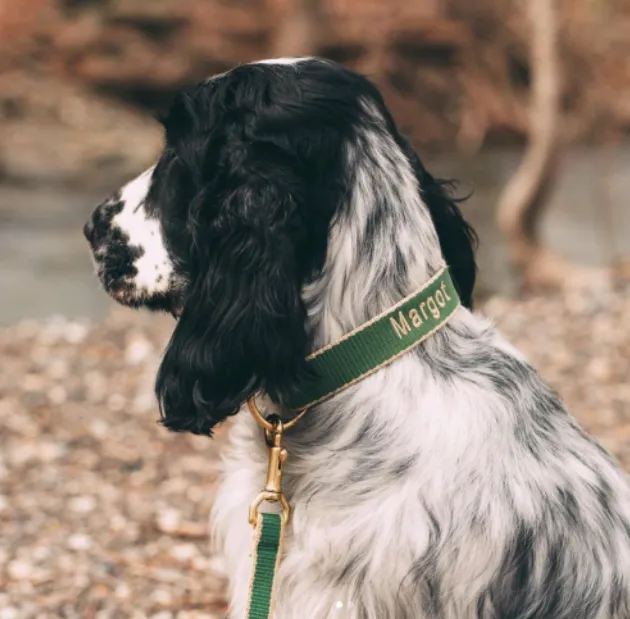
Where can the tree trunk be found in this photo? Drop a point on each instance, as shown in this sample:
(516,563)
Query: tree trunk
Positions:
(527,193)
(301,32)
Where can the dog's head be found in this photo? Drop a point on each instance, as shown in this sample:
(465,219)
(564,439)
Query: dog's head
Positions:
(284,208)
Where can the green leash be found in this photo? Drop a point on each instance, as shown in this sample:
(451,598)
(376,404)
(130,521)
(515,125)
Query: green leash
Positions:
(339,365)
(267,543)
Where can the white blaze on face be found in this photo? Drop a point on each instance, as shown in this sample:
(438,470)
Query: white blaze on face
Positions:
(154,265)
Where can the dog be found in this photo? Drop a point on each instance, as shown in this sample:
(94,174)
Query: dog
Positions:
(286,210)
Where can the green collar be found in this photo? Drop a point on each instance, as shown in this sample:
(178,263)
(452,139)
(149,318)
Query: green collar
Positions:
(378,342)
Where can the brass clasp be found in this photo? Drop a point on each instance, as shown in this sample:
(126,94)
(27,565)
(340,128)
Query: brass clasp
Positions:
(272,491)
(277,457)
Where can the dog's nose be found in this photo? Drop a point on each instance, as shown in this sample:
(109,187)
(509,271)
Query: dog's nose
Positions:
(88,230)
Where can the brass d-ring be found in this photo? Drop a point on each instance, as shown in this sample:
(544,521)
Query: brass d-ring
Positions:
(265,423)
(271,497)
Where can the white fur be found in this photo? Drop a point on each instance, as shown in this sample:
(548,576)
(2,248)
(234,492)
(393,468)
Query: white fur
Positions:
(154,266)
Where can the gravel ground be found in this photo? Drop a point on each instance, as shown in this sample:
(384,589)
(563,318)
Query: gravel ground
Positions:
(103,513)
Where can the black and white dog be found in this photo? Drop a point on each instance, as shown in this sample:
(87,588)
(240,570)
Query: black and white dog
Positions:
(285,211)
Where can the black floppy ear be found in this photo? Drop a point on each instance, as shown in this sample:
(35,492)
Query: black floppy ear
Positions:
(243,325)
(457,238)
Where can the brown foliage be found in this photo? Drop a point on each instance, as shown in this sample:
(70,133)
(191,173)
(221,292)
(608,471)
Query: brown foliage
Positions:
(453,71)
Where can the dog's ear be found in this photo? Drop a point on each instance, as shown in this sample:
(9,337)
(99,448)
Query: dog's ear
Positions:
(242,328)
(457,238)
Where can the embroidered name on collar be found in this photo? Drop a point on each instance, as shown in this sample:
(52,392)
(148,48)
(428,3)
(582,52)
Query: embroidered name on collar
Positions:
(417,316)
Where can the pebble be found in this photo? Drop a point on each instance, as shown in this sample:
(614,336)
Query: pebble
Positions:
(79,541)
(163,597)
(184,552)
(19,570)
(169,519)
(57,395)
(116,402)
(82,504)
(122,591)
(137,351)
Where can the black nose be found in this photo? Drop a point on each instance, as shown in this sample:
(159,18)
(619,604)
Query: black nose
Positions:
(88,230)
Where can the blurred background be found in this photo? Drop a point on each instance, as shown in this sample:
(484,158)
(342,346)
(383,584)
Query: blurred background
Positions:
(526,104)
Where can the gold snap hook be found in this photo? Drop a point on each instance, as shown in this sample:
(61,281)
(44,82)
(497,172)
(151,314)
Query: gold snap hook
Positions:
(272,491)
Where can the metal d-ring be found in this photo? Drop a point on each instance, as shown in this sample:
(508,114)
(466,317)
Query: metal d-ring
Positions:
(267,425)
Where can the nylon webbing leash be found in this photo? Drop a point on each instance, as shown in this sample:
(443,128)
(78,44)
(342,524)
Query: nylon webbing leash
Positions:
(268,527)
(266,554)
(339,365)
